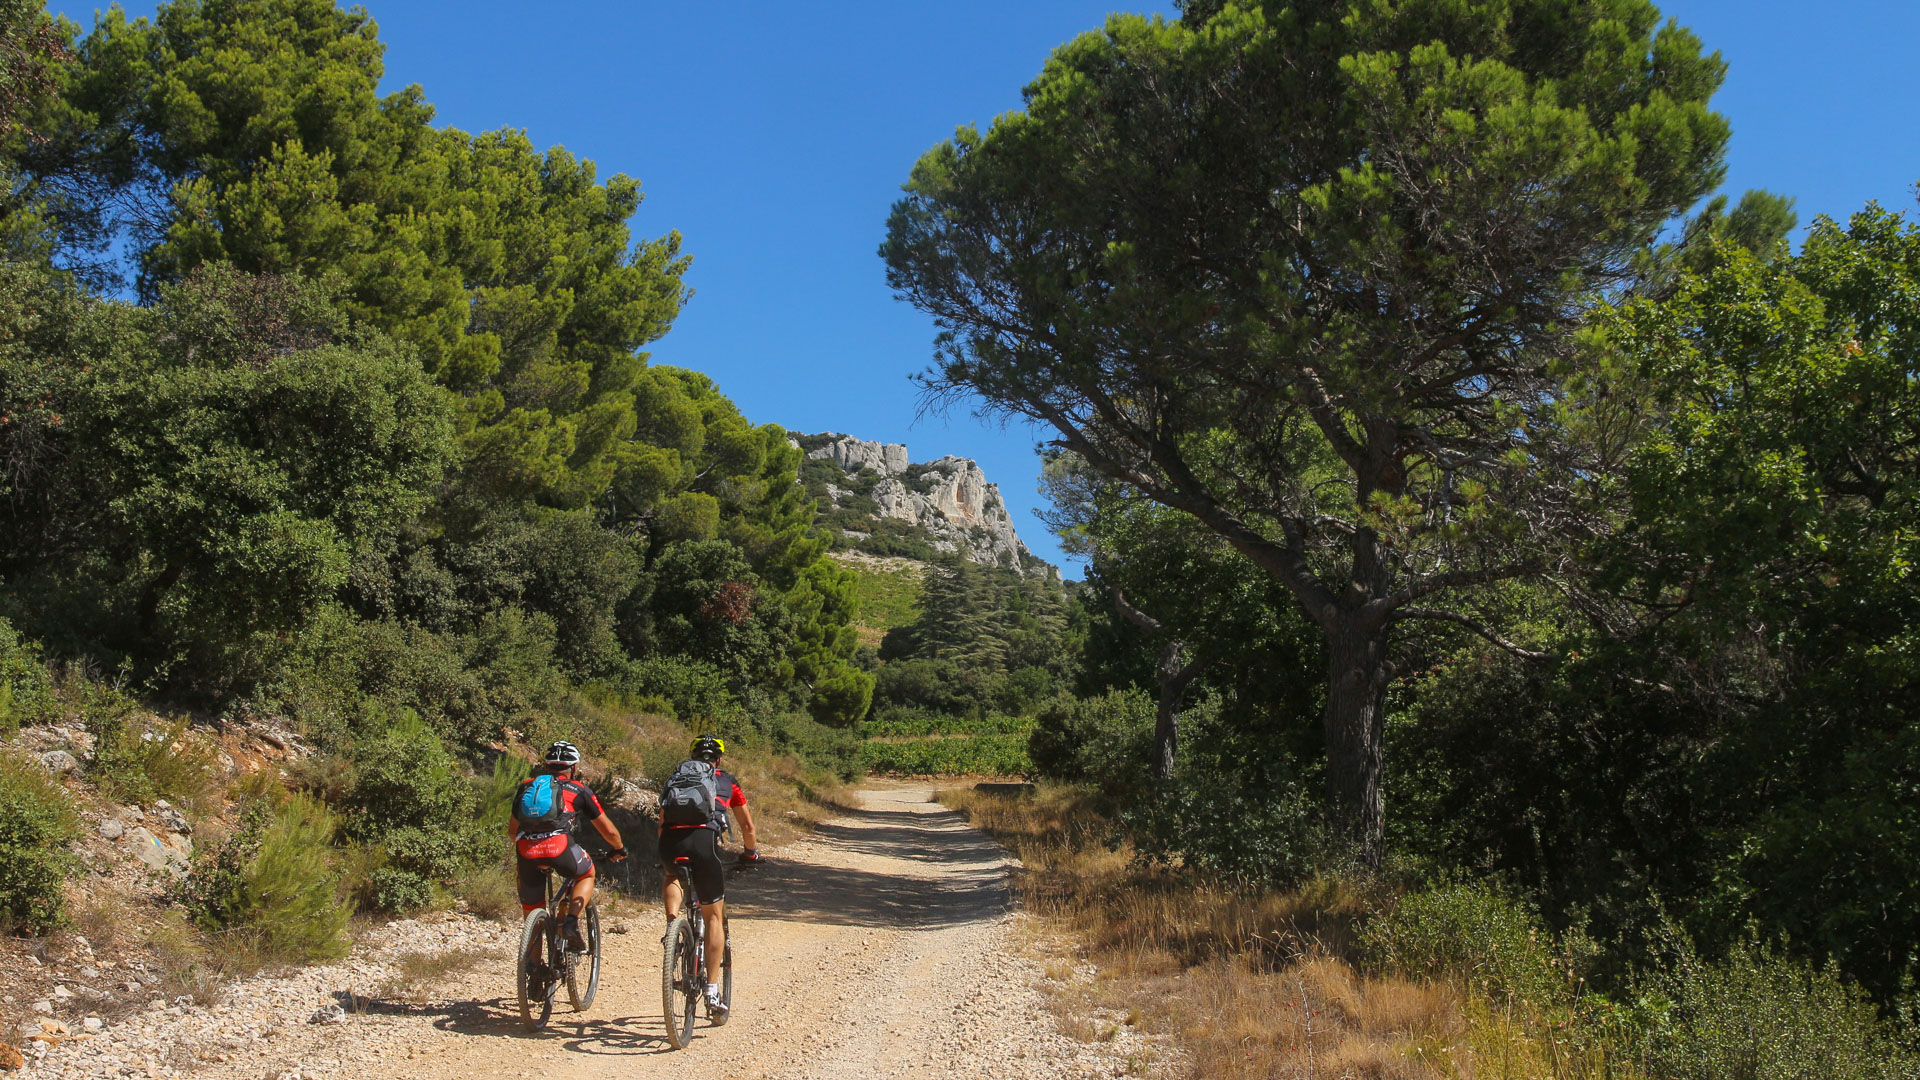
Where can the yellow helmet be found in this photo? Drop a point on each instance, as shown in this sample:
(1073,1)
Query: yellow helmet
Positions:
(707,747)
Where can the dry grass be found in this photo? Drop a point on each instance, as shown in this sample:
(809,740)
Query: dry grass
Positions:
(416,975)
(1249,984)
(490,893)
(786,797)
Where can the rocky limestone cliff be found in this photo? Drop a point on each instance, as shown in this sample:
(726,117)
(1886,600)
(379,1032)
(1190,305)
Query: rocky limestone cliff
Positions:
(948,504)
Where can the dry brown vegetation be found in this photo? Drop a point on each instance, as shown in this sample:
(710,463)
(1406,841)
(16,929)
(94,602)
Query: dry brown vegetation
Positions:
(1255,984)
(417,974)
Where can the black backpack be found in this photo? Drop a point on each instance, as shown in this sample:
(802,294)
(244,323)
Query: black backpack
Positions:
(692,795)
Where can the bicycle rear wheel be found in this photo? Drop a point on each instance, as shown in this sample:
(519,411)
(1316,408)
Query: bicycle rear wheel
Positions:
(680,986)
(533,978)
(580,990)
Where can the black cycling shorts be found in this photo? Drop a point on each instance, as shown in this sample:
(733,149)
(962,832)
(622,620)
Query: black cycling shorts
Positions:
(703,853)
(570,864)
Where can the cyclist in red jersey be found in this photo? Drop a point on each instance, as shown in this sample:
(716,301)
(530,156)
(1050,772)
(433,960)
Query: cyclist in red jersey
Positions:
(556,850)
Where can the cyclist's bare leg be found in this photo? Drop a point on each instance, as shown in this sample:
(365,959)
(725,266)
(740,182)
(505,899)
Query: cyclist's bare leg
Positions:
(670,896)
(715,915)
(580,894)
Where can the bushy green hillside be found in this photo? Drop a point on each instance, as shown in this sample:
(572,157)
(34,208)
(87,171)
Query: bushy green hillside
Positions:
(886,593)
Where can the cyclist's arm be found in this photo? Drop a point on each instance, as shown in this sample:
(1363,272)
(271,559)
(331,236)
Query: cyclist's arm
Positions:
(748,841)
(607,832)
(513,828)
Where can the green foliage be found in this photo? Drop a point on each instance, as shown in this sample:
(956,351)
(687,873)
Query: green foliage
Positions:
(1758,1016)
(273,879)
(1476,933)
(397,891)
(409,796)
(695,690)
(252,486)
(493,792)
(906,724)
(886,596)
(825,746)
(511,272)
(203,471)
(37,823)
(214,890)
(1735,735)
(1306,271)
(349,673)
(986,641)
(1268,838)
(138,759)
(966,755)
(708,605)
(1102,739)
(26,687)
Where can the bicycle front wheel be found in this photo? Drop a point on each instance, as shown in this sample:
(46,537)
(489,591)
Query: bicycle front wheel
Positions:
(582,985)
(680,986)
(533,978)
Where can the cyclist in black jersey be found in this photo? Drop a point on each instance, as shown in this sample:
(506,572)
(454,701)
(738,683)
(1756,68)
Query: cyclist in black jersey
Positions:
(700,845)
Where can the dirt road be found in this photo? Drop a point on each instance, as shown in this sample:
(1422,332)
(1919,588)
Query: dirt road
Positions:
(881,947)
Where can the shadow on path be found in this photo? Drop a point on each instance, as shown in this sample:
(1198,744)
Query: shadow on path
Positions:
(969,882)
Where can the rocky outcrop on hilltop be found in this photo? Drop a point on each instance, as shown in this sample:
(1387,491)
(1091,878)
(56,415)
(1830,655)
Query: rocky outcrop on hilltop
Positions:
(881,502)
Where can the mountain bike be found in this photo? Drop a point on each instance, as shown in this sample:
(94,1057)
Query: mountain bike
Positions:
(683,963)
(546,963)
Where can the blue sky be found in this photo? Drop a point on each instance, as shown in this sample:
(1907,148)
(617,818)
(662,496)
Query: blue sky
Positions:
(774,136)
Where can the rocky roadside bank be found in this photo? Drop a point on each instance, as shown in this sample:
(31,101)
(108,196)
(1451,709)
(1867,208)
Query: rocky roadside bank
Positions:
(286,1026)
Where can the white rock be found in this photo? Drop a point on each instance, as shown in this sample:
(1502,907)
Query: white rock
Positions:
(59,762)
(43,1006)
(851,454)
(157,853)
(93,1023)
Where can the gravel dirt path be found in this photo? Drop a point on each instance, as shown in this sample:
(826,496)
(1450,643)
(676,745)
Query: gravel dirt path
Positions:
(880,947)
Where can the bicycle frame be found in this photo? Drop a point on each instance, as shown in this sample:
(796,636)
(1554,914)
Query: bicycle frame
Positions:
(683,965)
(545,962)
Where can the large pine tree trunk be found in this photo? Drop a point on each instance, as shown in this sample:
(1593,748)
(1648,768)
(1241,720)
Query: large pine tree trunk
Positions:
(1357,677)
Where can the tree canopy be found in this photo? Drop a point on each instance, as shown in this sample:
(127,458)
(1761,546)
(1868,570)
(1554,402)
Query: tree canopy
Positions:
(385,382)
(1309,271)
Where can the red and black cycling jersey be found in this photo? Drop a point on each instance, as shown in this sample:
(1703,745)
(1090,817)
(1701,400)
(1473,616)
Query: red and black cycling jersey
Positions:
(728,789)
(577,803)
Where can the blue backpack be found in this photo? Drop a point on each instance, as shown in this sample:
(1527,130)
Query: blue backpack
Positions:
(538,806)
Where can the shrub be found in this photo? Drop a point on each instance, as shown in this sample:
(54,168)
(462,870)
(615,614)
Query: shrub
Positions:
(1473,932)
(493,793)
(272,879)
(26,691)
(293,895)
(834,749)
(136,759)
(405,778)
(490,892)
(1277,838)
(1759,1016)
(396,891)
(696,689)
(1105,739)
(36,825)
(409,796)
